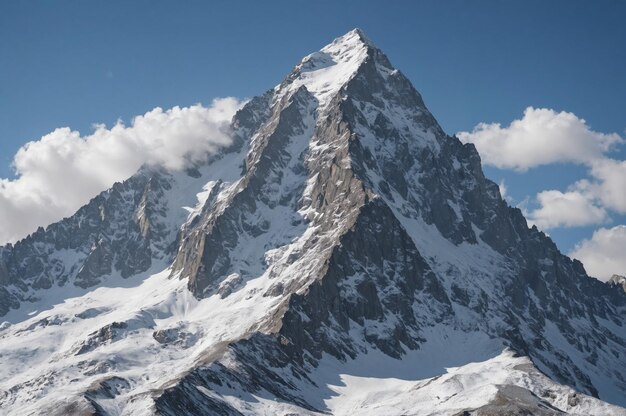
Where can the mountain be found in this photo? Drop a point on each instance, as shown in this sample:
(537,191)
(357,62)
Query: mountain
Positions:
(343,255)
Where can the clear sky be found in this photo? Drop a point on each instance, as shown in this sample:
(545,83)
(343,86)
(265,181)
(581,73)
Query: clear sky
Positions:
(75,63)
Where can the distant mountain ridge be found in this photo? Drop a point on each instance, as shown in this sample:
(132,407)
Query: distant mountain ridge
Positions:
(343,255)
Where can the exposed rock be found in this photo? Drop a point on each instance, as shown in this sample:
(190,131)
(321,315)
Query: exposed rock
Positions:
(229,284)
(90,313)
(516,401)
(176,336)
(106,334)
(108,387)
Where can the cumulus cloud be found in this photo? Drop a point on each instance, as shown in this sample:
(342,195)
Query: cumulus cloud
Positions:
(58,173)
(603,255)
(588,201)
(542,136)
(608,184)
(566,209)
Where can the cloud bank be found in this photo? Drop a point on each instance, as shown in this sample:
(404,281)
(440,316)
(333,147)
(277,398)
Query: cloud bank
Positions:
(603,254)
(566,209)
(63,170)
(587,201)
(608,184)
(541,137)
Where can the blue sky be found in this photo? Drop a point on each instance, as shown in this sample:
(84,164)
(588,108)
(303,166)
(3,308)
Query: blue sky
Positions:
(75,63)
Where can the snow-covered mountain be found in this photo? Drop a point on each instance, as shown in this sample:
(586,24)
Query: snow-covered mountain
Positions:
(343,256)
(617,280)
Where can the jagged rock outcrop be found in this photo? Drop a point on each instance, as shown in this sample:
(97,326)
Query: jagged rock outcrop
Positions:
(121,230)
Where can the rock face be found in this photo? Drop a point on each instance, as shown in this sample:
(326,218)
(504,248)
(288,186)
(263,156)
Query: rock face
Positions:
(120,230)
(342,228)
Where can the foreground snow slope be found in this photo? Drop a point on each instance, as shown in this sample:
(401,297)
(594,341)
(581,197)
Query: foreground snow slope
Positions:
(343,255)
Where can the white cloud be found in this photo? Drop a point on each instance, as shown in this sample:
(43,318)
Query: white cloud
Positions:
(608,184)
(587,202)
(504,191)
(605,253)
(566,209)
(58,173)
(541,137)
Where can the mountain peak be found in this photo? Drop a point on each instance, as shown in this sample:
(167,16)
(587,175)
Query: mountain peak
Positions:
(355,37)
(324,72)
